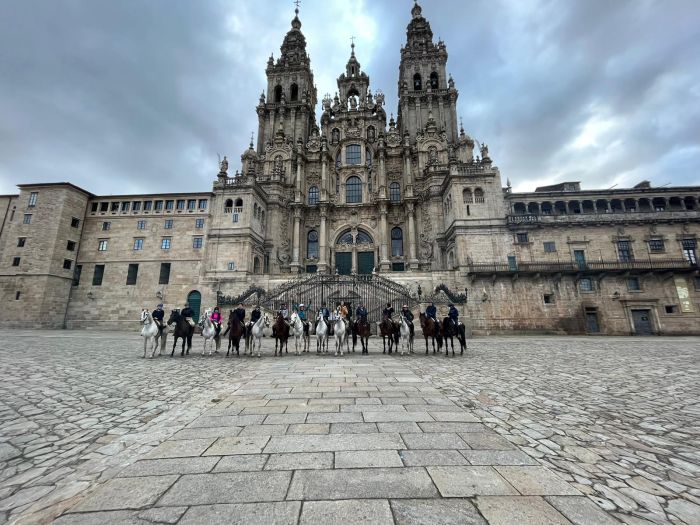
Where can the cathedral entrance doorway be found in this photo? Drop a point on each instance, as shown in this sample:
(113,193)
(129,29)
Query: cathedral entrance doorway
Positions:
(354,252)
(343,263)
(365,262)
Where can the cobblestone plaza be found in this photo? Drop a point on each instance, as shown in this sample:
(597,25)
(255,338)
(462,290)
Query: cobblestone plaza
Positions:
(519,430)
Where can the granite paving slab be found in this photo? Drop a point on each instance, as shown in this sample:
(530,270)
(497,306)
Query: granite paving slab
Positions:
(127,493)
(361,512)
(438,511)
(519,510)
(277,513)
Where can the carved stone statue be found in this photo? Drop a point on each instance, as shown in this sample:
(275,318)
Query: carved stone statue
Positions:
(223,166)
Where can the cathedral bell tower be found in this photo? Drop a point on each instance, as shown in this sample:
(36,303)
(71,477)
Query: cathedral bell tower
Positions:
(288,105)
(424,87)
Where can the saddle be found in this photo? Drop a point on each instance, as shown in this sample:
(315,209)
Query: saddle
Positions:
(190,321)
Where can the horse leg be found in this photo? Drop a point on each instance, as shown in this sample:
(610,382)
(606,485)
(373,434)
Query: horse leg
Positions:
(384,343)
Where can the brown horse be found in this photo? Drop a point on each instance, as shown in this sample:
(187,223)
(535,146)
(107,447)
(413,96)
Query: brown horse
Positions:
(361,328)
(235,329)
(280,331)
(449,330)
(430,329)
(387,328)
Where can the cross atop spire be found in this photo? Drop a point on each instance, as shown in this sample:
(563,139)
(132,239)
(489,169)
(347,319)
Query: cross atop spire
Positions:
(352,46)
(297,3)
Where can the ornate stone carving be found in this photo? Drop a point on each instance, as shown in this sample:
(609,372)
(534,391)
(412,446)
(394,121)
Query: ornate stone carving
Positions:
(353,133)
(284,249)
(426,247)
(313,145)
(313,177)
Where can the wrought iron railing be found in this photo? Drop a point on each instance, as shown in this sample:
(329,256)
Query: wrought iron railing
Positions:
(576,267)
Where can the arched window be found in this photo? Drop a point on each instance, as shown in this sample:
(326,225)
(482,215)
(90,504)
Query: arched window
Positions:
(255,210)
(371,134)
(434,82)
(417,82)
(363,238)
(312,245)
(468,197)
(228,205)
(239,203)
(353,154)
(294,93)
(478,195)
(337,183)
(335,136)
(368,156)
(262,217)
(313,195)
(256,265)
(346,238)
(396,242)
(278,93)
(395,192)
(353,190)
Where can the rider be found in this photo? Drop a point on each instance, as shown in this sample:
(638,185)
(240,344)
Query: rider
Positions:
(284,312)
(216,320)
(158,316)
(454,315)
(302,315)
(344,314)
(361,314)
(324,312)
(388,311)
(240,313)
(408,315)
(254,317)
(431,311)
(188,314)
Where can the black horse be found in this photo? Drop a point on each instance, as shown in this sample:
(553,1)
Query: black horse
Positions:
(182,330)
(361,328)
(236,330)
(451,329)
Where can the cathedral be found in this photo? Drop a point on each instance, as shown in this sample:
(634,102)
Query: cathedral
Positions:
(410,209)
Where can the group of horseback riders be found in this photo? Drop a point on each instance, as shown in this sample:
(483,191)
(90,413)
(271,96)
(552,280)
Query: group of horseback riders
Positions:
(341,311)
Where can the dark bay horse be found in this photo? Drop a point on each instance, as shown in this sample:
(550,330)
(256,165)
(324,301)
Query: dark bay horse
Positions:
(361,328)
(449,330)
(235,331)
(183,330)
(387,328)
(280,331)
(430,329)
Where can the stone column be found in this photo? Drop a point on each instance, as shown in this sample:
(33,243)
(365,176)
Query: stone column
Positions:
(412,260)
(324,171)
(296,265)
(381,176)
(384,262)
(322,244)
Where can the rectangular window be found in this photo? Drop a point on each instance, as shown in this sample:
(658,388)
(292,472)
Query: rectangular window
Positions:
(93,207)
(32,199)
(76,274)
(141,225)
(125,206)
(165,243)
(70,246)
(197,242)
(231,265)
(353,154)
(27,218)
(132,274)
(21,242)
(106,226)
(136,206)
(633,284)
(104,206)
(159,205)
(169,205)
(311,268)
(521,238)
(585,284)
(235,217)
(548,298)
(15,261)
(67,264)
(192,204)
(624,251)
(697,283)
(138,244)
(181,204)
(168,224)
(147,205)
(18,295)
(102,245)
(199,224)
(98,275)
(671,309)
(115,207)
(550,247)
(164,277)
(203,204)
(266,263)
(75,222)
(688,246)
(397,267)
(656,245)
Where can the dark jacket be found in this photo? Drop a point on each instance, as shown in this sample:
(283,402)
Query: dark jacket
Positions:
(326,313)
(158,315)
(361,313)
(240,313)
(255,316)
(454,314)
(431,311)
(407,314)
(187,312)
(388,312)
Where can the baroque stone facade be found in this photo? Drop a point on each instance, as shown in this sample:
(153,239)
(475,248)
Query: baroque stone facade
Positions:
(414,199)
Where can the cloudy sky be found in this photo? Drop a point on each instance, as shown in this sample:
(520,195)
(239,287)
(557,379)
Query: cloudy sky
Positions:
(140,96)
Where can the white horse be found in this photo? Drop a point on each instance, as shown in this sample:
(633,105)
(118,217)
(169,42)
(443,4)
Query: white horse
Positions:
(297,332)
(406,340)
(321,334)
(257,333)
(209,333)
(149,332)
(340,333)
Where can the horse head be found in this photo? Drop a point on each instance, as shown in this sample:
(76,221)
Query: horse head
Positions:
(174,316)
(144,315)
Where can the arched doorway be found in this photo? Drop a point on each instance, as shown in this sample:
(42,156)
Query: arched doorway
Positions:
(194,298)
(354,250)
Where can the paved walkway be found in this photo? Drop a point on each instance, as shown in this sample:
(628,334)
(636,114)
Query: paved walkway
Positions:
(93,434)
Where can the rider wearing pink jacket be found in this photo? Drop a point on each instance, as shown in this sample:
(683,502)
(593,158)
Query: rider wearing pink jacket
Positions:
(216,319)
